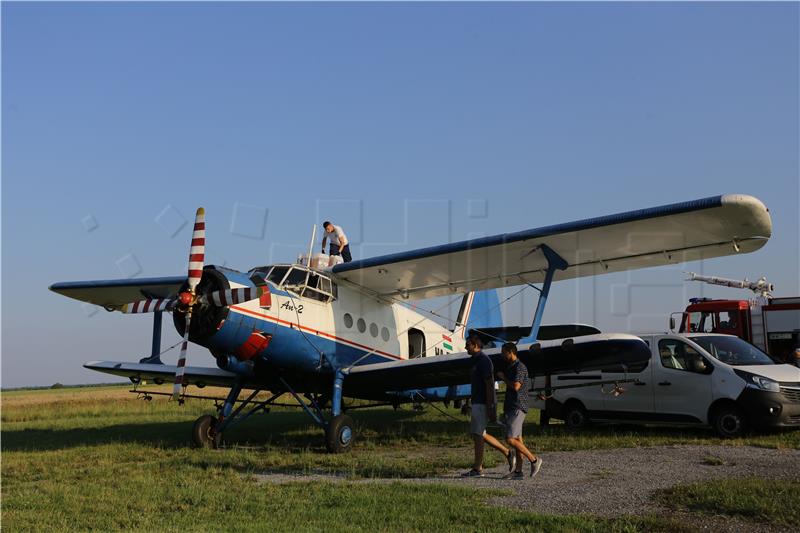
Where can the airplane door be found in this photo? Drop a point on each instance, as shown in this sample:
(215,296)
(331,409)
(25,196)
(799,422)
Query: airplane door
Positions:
(682,379)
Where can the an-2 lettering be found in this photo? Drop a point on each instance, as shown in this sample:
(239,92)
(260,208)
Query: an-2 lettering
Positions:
(289,306)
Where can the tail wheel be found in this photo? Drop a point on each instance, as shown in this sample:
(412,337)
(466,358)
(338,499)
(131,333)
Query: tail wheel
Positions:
(729,422)
(576,416)
(204,434)
(339,434)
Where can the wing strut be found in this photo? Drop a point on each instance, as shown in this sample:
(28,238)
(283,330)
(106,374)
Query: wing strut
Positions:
(155,352)
(554,262)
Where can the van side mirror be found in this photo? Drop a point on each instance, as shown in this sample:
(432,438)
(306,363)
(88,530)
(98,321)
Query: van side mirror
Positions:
(672,323)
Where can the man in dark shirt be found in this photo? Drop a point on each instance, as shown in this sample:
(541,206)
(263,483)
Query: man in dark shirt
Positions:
(515,407)
(484,407)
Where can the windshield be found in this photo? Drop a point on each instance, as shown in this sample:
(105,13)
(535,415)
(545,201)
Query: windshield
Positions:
(733,350)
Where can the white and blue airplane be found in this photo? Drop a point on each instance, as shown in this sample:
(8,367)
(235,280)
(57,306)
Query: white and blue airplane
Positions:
(321,334)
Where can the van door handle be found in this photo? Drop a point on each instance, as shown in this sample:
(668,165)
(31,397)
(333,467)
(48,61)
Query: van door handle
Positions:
(663,383)
(640,383)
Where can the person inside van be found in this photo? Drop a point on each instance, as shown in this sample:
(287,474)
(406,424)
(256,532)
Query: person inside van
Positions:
(668,359)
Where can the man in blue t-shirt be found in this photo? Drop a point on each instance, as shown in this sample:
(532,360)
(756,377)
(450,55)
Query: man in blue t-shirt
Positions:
(484,407)
(515,407)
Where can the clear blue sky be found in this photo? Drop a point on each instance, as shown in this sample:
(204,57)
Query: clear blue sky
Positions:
(411,124)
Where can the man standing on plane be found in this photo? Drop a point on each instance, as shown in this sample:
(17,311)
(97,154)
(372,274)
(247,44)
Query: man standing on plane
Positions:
(515,407)
(339,243)
(484,408)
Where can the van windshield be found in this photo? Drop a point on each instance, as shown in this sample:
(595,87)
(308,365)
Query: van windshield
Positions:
(733,350)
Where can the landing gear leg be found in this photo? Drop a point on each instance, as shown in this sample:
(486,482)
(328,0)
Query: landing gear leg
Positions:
(339,431)
(207,430)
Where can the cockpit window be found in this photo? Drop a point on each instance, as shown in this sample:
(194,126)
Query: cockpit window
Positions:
(277,274)
(300,280)
(733,350)
(296,277)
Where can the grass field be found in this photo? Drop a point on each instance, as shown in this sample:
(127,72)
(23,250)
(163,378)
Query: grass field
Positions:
(97,458)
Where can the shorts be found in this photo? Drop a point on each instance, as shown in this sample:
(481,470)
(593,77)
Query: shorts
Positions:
(514,420)
(479,419)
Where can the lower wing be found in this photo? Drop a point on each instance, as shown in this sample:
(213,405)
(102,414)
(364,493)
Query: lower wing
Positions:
(609,352)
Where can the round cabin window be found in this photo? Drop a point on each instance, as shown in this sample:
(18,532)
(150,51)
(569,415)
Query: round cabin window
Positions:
(362,326)
(348,320)
(373,329)
(385,334)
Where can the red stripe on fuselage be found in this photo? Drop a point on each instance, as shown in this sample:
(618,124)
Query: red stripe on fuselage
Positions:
(313,331)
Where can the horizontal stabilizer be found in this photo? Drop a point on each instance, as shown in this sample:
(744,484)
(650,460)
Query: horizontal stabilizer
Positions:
(546,333)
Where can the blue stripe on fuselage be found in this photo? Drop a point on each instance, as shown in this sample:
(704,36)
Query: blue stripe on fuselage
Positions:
(290,347)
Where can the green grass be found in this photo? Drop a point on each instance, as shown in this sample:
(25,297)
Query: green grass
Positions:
(97,458)
(760,500)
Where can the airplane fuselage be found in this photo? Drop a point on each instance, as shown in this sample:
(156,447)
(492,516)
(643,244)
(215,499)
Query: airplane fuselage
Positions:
(309,325)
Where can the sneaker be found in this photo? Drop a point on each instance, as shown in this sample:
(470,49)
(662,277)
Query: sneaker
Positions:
(516,475)
(511,457)
(536,466)
(472,473)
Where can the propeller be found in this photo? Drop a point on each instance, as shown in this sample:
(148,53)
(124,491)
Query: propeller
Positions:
(186,300)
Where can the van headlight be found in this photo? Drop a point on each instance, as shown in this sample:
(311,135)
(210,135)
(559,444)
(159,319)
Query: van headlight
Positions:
(759,382)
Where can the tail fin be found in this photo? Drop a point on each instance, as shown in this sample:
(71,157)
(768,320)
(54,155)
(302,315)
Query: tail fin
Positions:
(479,309)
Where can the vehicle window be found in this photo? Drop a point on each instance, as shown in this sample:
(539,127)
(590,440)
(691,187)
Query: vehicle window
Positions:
(732,350)
(678,355)
(727,320)
(706,324)
(695,321)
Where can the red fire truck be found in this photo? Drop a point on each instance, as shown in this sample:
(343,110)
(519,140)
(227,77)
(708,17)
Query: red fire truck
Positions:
(771,324)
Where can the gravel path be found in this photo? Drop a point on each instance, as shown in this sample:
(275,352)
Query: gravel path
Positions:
(622,481)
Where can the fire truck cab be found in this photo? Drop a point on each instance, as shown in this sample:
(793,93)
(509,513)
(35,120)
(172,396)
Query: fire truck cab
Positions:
(774,328)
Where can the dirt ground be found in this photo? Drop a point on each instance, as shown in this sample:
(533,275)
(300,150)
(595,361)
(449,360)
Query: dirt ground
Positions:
(623,481)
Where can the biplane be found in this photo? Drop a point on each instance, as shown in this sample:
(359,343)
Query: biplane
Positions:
(322,334)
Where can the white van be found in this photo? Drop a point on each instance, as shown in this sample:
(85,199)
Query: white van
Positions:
(699,379)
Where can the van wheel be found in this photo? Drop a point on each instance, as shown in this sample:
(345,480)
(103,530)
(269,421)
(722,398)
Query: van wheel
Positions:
(729,422)
(576,417)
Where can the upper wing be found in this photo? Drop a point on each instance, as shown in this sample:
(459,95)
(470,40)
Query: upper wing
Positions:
(688,231)
(612,352)
(118,292)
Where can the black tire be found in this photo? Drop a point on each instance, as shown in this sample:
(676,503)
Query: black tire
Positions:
(339,434)
(576,417)
(203,433)
(729,422)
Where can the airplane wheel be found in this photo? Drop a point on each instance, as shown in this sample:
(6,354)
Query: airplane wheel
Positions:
(576,416)
(203,434)
(339,434)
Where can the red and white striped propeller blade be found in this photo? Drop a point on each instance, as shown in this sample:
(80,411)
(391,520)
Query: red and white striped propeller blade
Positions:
(150,305)
(197,253)
(177,388)
(198,249)
(235,296)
